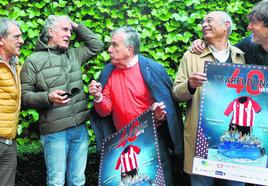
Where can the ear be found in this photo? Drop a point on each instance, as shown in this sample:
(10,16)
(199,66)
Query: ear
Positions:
(227,25)
(1,41)
(131,49)
(50,33)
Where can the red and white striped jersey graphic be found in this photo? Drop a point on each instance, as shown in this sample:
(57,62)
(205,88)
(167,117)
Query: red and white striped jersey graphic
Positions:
(243,113)
(128,159)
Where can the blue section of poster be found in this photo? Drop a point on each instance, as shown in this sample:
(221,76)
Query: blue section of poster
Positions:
(232,130)
(131,156)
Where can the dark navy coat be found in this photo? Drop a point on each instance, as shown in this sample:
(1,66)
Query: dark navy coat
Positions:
(160,86)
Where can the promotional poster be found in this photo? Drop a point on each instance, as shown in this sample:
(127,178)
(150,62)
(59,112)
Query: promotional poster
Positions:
(130,156)
(232,130)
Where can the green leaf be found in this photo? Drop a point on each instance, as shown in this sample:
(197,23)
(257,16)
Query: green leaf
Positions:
(19,129)
(33,33)
(180,17)
(79,4)
(4,12)
(105,56)
(4,2)
(34,114)
(171,49)
(62,3)
(109,24)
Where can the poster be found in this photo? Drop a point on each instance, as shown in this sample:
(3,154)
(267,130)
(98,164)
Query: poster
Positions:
(131,156)
(232,134)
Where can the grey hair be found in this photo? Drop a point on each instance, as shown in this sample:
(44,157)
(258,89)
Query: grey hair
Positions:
(50,23)
(225,17)
(133,37)
(260,12)
(4,25)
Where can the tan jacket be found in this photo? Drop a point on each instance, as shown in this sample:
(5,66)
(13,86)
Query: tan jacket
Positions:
(194,63)
(10,93)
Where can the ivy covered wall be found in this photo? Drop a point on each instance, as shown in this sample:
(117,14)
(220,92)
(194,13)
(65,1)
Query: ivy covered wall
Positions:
(167,28)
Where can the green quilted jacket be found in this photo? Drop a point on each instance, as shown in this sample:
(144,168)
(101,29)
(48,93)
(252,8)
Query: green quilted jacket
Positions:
(49,69)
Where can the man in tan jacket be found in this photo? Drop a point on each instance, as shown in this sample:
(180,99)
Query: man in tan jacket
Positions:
(216,28)
(10,44)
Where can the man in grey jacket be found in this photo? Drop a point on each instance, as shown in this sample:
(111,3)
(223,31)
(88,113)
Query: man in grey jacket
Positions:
(52,83)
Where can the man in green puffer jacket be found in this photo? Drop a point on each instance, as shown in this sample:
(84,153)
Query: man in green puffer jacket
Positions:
(52,83)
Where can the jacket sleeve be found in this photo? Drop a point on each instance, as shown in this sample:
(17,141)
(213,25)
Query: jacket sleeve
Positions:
(30,97)
(92,44)
(180,87)
(161,91)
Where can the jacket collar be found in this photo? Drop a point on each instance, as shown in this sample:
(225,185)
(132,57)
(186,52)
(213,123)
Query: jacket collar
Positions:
(234,50)
(13,61)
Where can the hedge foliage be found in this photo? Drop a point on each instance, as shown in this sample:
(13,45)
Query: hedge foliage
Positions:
(167,28)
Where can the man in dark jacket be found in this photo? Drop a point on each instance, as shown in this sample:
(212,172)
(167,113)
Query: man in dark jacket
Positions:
(52,83)
(128,86)
(254,46)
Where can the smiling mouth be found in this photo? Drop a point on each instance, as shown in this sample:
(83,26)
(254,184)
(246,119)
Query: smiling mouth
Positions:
(206,30)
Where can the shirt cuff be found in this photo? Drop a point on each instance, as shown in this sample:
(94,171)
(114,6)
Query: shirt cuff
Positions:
(98,100)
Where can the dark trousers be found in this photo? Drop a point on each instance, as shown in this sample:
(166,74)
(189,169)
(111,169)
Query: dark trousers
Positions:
(8,164)
(164,154)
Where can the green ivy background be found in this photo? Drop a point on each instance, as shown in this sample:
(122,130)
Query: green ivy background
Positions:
(167,28)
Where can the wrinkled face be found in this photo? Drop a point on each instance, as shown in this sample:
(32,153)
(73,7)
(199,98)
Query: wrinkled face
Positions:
(119,52)
(12,42)
(259,31)
(60,34)
(213,27)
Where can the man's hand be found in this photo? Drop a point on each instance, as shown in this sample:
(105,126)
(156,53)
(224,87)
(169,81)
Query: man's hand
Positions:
(57,98)
(159,112)
(196,79)
(198,46)
(73,24)
(95,89)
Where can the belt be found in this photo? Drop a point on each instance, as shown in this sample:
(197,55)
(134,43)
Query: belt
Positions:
(6,141)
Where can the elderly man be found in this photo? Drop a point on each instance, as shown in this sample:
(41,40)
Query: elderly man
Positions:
(10,44)
(216,28)
(128,86)
(52,83)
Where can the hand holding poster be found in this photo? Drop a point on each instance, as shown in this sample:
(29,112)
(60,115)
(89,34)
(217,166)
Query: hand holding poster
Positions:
(131,156)
(232,131)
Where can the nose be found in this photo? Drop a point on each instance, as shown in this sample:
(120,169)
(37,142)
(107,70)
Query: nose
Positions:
(110,49)
(21,41)
(68,33)
(204,23)
(250,26)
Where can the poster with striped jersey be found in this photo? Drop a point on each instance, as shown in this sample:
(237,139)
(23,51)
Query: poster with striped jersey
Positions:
(232,127)
(131,156)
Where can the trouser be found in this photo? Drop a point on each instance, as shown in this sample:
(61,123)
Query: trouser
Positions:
(8,164)
(164,154)
(66,152)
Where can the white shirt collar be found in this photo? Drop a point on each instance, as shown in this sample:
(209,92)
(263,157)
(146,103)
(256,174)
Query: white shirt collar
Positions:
(221,55)
(133,61)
